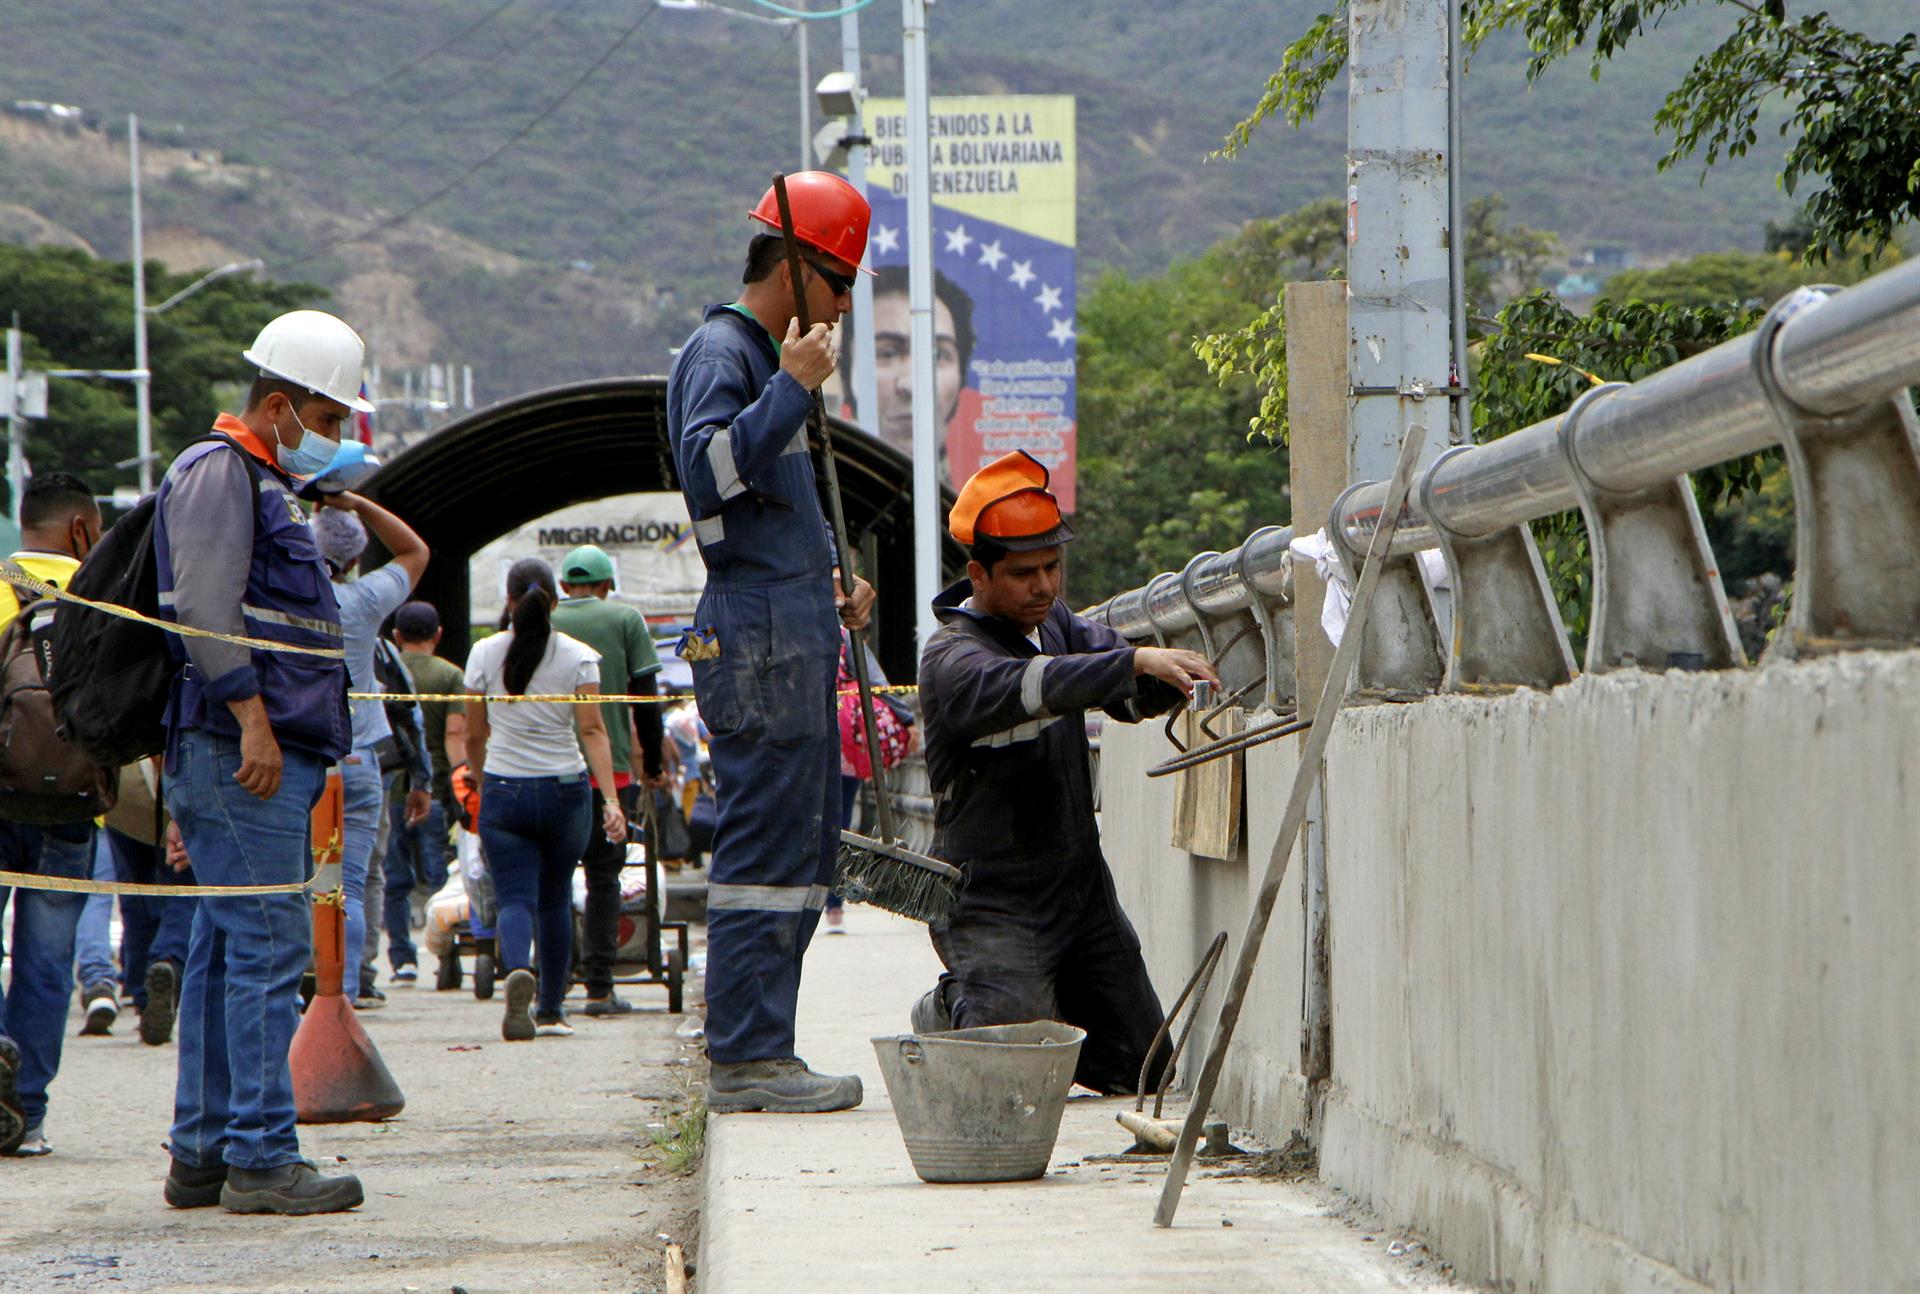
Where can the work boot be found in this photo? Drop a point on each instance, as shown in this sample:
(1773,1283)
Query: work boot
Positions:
(189,1186)
(13,1119)
(783,1086)
(517,1025)
(163,999)
(294,1189)
(930,1012)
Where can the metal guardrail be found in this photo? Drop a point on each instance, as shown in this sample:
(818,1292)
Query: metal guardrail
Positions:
(1824,376)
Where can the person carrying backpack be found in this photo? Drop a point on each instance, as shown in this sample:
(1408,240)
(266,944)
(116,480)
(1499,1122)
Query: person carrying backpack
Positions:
(250,732)
(59,525)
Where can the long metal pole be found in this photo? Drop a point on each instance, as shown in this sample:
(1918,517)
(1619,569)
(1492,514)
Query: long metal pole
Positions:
(926,451)
(1332,695)
(1457,231)
(143,383)
(16,425)
(866,390)
(806,96)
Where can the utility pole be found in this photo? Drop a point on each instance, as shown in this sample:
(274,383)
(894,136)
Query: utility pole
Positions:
(16,425)
(143,383)
(866,392)
(926,449)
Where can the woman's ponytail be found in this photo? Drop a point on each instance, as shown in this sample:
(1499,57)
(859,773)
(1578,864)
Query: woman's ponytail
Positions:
(531,591)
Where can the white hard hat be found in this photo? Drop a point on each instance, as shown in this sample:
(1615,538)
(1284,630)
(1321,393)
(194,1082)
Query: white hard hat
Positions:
(312,348)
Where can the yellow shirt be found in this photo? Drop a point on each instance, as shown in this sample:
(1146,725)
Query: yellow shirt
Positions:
(55,568)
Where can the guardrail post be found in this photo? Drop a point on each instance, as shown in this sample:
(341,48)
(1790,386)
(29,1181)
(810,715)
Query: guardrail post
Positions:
(1401,657)
(1507,630)
(1657,597)
(1856,514)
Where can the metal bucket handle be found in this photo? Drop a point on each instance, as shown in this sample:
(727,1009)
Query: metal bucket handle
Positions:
(911,1051)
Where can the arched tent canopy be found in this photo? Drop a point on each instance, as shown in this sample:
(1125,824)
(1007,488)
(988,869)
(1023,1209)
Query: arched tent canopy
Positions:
(504,466)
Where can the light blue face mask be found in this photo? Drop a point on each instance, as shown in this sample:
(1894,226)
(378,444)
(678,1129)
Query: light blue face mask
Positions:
(311,456)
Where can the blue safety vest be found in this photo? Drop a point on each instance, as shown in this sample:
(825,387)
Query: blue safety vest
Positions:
(288,598)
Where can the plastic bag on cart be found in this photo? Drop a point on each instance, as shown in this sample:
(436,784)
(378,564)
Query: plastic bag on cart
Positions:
(473,874)
(446,913)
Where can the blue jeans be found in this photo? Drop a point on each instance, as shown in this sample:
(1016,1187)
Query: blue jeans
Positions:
(34,1011)
(93,937)
(534,830)
(364,793)
(239,999)
(151,929)
(416,853)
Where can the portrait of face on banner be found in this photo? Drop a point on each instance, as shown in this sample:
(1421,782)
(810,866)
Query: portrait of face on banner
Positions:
(1003,283)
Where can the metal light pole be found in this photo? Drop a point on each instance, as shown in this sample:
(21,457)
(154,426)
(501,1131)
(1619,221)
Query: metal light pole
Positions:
(926,450)
(866,391)
(16,425)
(142,384)
(806,96)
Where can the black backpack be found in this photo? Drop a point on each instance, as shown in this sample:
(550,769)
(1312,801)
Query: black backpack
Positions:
(43,778)
(115,675)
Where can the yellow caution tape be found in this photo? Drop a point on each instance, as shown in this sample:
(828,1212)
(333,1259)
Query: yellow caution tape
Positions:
(14,575)
(571,698)
(70,885)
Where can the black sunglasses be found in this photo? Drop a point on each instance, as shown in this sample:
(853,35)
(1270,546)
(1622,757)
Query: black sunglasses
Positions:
(840,283)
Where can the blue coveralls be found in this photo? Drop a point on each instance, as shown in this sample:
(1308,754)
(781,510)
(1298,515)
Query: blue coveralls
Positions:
(738,428)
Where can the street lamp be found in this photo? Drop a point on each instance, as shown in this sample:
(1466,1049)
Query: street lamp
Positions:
(798,26)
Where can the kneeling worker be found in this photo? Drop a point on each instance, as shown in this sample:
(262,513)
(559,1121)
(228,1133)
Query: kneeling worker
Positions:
(1038,934)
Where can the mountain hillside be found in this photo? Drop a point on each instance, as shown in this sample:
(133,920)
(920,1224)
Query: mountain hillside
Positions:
(280,130)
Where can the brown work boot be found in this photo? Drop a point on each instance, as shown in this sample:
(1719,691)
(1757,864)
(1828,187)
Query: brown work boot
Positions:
(783,1086)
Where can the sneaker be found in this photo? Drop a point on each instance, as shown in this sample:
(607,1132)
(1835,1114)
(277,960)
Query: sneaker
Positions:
(782,1086)
(404,975)
(189,1186)
(32,1145)
(292,1189)
(552,1026)
(102,1002)
(370,1000)
(13,1120)
(611,1004)
(163,1000)
(517,1025)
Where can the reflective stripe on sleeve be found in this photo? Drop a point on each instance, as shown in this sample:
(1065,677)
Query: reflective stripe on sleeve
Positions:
(798,445)
(759,898)
(269,616)
(726,477)
(1030,683)
(710,530)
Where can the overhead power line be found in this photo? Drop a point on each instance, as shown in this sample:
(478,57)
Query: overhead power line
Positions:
(391,222)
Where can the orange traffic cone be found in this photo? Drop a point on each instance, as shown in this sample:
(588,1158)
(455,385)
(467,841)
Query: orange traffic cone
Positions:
(338,1076)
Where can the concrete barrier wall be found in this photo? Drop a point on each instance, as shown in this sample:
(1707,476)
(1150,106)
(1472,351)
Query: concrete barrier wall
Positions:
(1625,977)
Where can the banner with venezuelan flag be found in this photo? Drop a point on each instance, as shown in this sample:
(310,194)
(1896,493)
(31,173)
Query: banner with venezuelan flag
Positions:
(1003,233)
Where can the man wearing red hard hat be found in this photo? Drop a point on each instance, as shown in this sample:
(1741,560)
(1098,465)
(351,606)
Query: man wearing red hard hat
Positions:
(1004,686)
(765,642)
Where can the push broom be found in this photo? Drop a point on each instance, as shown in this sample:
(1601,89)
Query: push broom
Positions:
(882,872)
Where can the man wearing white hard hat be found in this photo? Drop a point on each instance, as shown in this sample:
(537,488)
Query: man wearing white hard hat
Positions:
(250,734)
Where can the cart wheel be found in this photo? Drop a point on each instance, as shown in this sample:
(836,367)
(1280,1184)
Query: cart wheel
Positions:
(449,976)
(483,977)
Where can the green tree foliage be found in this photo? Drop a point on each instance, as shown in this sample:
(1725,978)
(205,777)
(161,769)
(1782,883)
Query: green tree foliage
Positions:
(1851,101)
(77,312)
(1737,278)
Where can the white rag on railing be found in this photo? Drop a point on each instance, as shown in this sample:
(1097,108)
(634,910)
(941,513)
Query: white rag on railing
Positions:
(1318,549)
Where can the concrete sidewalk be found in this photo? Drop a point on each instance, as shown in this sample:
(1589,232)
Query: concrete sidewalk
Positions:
(831,1202)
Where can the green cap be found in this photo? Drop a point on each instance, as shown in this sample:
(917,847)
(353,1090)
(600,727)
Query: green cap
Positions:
(587,564)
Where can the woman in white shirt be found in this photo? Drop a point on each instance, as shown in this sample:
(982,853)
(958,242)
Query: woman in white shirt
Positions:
(534,800)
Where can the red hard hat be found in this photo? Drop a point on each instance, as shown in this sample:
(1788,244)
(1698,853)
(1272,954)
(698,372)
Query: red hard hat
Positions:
(829,215)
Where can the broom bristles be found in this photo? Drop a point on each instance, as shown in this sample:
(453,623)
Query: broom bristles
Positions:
(893,877)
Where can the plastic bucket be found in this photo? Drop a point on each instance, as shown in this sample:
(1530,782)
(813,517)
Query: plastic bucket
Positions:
(981,1105)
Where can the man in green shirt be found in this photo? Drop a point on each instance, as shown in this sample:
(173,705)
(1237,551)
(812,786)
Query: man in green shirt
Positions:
(420,854)
(628,663)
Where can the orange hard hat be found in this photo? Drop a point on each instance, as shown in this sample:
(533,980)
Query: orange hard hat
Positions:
(1008,502)
(829,215)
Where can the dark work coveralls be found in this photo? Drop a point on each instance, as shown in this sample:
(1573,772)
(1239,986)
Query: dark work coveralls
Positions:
(1038,933)
(738,428)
